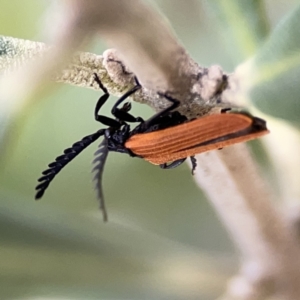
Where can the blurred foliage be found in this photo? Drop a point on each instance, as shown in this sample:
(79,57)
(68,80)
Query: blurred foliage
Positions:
(163,240)
(270,78)
(244,25)
(276,71)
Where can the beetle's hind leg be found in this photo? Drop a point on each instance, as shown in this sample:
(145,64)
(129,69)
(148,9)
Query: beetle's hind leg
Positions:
(173,164)
(194,164)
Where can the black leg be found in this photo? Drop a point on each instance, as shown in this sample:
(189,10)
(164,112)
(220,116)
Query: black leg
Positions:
(108,121)
(175,104)
(126,108)
(173,164)
(103,98)
(100,103)
(194,164)
(62,160)
(103,119)
(101,86)
(126,95)
(100,118)
(122,114)
(224,110)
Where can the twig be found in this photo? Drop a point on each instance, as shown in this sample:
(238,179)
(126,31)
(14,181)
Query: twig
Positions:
(269,249)
(115,75)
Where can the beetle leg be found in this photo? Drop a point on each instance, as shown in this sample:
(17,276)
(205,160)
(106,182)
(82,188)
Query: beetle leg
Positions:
(122,114)
(173,164)
(175,103)
(99,104)
(107,121)
(194,164)
(103,98)
(125,116)
(224,110)
(101,86)
(103,119)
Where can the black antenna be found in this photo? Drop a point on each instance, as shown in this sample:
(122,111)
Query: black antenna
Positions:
(99,161)
(62,160)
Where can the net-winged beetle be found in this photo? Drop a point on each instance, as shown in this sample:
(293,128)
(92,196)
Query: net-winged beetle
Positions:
(166,139)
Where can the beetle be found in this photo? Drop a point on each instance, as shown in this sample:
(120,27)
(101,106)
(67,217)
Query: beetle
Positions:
(165,139)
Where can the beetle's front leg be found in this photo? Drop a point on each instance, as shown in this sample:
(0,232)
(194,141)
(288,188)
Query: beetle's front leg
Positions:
(100,118)
(122,114)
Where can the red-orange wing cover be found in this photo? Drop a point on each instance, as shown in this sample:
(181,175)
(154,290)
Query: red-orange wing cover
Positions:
(196,136)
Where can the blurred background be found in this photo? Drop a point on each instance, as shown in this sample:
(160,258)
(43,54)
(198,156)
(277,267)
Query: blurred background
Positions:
(163,239)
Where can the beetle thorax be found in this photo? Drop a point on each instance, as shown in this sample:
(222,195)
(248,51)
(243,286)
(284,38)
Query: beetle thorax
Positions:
(116,138)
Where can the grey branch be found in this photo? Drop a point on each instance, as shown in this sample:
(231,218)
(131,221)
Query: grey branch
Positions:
(114,74)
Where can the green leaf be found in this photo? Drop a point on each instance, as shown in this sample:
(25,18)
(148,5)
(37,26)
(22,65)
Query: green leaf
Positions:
(274,73)
(243,24)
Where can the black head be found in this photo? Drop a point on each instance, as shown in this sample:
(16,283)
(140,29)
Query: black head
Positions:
(117,137)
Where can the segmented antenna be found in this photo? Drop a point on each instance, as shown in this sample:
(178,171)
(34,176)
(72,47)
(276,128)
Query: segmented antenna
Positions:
(99,161)
(62,160)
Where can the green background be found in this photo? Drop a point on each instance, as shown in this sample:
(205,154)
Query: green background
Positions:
(163,239)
